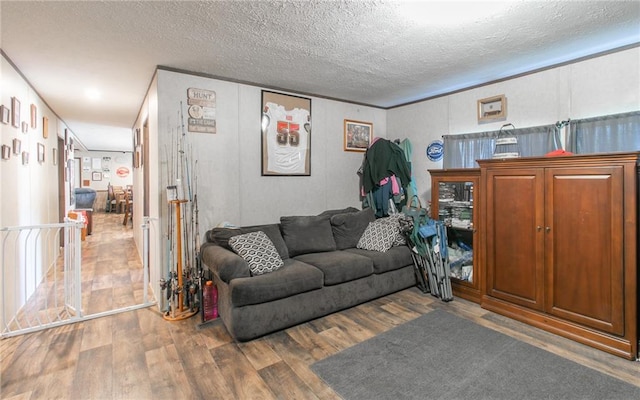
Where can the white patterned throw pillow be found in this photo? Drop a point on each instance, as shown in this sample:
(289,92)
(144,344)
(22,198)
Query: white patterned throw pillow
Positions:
(393,220)
(379,236)
(258,250)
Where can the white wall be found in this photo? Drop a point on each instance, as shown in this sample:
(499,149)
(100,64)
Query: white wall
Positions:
(149,113)
(28,192)
(604,85)
(110,163)
(230,185)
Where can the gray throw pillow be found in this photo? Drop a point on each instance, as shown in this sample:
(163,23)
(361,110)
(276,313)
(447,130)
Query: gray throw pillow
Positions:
(348,227)
(308,234)
(258,250)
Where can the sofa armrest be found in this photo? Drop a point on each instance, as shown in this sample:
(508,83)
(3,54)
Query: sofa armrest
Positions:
(226,264)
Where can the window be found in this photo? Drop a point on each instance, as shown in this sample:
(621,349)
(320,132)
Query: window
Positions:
(462,151)
(610,133)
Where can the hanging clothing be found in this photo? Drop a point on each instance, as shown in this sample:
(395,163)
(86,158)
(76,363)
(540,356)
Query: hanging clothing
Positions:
(381,196)
(407,147)
(384,159)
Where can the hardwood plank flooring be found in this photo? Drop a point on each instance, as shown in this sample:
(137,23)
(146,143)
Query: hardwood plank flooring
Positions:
(139,355)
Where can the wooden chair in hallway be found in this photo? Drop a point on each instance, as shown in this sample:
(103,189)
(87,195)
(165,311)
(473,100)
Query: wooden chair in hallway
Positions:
(112,201)
(128,207)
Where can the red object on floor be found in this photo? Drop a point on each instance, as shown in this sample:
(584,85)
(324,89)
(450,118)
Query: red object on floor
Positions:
(210,300)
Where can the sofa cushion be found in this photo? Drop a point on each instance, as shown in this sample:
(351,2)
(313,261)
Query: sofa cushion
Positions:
(392,259)
(293,278)
(339,266)
(379,236)
(331,213)
(225,263)
(221,236)
(308,234)
(258,250)
(348,227)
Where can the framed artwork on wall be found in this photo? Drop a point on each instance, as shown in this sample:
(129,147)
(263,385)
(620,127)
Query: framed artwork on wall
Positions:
(40,152)
(15,112)
(136,137)
(357,135)
(286,135)
(17,146)
(25,157)
(96,176)
(136,157)
(492,108)
(34,116)
(45,127)
(6,152)
(25,127)
(5,114)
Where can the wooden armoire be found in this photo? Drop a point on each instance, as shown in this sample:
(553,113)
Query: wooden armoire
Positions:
(560,242)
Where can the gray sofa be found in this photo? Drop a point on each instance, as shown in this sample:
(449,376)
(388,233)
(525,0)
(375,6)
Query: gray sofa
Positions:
(322,271)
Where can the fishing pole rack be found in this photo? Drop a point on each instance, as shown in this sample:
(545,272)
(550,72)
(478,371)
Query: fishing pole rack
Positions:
(178,306)
(183,276)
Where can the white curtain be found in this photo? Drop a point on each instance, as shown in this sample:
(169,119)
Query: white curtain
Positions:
(462,151)
(610,133)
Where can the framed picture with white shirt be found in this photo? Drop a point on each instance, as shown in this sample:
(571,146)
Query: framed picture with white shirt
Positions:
(286,135)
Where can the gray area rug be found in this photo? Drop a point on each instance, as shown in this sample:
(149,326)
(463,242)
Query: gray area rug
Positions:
(442,356)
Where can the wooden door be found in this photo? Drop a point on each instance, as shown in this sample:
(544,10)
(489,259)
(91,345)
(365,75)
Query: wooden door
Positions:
(515,237)
(584,246)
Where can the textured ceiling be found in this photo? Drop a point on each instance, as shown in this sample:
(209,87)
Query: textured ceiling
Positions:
(369,52)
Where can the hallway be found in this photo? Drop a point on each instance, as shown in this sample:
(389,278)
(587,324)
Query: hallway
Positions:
(112,275)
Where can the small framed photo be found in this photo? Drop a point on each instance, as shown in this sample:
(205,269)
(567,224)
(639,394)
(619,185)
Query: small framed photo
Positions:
(96,176)
(136,138)
(25,127)
(25,157)
(34,116)
(5,114)
(45,127)
(40,152)
(357,135)
(136,159)
(6,152)
(492,108)
(17,145)
(15,112)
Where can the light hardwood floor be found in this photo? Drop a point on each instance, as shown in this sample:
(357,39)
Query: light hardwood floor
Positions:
(139,355)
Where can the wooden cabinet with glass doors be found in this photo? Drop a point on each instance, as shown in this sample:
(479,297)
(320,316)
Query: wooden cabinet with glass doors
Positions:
(454,201)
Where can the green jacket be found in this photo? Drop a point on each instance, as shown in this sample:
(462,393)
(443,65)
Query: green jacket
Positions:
(383,159)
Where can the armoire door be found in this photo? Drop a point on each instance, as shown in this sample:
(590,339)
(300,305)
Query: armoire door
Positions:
(584,246)
(515,237)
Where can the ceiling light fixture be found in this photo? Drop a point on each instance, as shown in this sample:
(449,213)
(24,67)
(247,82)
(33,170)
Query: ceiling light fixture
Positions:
(448,12)
(93,94)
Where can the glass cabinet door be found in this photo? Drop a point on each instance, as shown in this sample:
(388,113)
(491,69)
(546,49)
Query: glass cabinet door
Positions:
(455,209)
(454,193)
